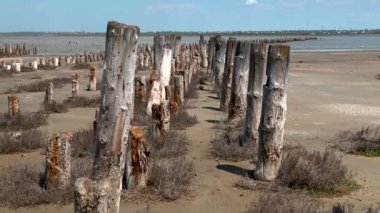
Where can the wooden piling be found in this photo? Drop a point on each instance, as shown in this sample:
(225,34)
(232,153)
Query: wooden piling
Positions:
(116,109)
(237,105)
(92,80)
(273,116)
(58,157)
(254,92)
(75,85)
(158,51)
(160,119)
(49,93)
(225,94)
(13,105)
(179,92)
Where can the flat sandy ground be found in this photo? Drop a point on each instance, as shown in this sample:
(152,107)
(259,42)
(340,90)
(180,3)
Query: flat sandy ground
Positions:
(327,93)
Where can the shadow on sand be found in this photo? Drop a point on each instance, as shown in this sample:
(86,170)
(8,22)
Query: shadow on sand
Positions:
(234,170)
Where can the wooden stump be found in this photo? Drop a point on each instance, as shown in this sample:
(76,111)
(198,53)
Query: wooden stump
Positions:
(237,106)
(91,196)
(165,70)
(254,92)
(58,156)
(211,55)
(116,109)
(273,115)
(75,85)
(49,93)
(160,119)
(179,93)
(13,105)
(225,94)
(92,80)
(137,160)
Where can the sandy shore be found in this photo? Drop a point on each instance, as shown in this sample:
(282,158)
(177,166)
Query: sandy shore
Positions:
(327,93)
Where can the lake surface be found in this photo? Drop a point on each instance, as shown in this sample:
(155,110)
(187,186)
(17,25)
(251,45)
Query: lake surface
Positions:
(64,45)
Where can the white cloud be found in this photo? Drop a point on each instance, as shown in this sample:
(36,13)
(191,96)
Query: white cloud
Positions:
(251,2)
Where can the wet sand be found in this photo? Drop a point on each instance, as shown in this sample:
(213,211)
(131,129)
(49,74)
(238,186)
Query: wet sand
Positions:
(327,93)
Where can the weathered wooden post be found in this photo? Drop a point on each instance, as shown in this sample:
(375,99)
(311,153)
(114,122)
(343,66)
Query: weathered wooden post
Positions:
(220,59)
(56,61)
(116,109)
(225,94)
(158,51)
(203,51)
(254,93)
(211,55)
(91,196)
(237,106)
(160,119)
(75,85)
(140,88)
(137,160)
(155,96)
(273,116)
(49,93)
(179,93)
(92,80)
(58,156)
(165,70)
(13,105)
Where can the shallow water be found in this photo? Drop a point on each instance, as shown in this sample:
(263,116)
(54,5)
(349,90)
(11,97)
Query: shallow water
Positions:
(64,45)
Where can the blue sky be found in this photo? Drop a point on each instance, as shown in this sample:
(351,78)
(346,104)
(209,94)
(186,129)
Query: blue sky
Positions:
(188,15)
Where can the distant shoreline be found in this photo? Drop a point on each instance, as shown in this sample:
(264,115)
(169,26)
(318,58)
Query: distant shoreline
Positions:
(225,33)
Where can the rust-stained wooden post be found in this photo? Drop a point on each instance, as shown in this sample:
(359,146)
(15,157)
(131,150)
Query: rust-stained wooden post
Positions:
(75,85)
(254,92)
(237,106)
(58,156)
(140,88)
(116,109)
(160,119)
(158,50)
(92,80)
(179,96)
(203,51)
(137,160)
(225,94)
(13,105)
(273,116)
(49,93)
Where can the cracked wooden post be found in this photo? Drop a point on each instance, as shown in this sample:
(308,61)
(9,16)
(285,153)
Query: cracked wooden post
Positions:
(113,124)
(220,59)
(203,51)
(273,116)
(49,93)
(13,105)
(225,94)
(92,80)
(254,93)
(137,160)
(158,50)
(75,85)
(179,93)
(58,156)
(160,119)
(237,106)
(140,88)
